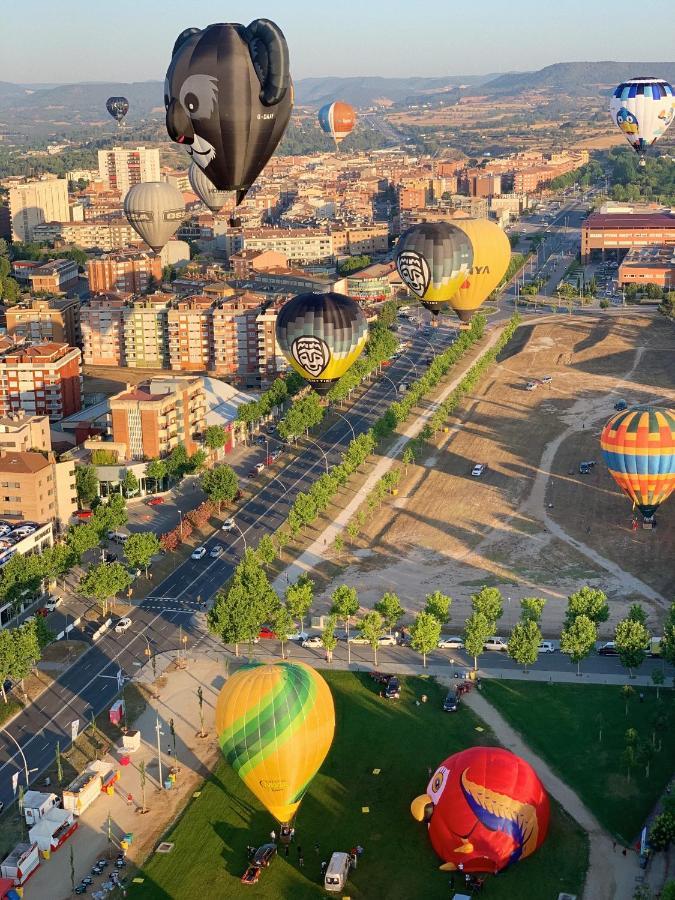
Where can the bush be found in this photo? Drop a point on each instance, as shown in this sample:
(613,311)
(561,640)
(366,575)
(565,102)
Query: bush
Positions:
(604,304)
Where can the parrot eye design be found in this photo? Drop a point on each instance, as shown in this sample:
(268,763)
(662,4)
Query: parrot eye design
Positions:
(414,270)
(437,783)
(311,353)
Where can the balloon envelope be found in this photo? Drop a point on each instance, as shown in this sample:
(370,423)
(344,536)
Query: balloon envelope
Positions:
(433,259)
(491,257)
(228,97)
(486,808)
(321,336)
(638,446)
(207,192)
(275,725)
(154,209)
(337,119)
(642,108)
(118,107)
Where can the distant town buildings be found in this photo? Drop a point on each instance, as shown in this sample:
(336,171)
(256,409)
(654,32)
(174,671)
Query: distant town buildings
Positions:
(54,277)
(95,234)
(121,168)
(41,379)
(32,202)
(35,487)
(20,432)
(127,270)
(624,229)
(649,265)
(52,320)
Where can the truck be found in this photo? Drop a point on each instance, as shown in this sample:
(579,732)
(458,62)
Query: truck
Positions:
(36,805)
(21,863)
(81,793)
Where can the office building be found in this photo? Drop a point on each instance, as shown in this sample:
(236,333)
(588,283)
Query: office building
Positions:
(121,168)
(33,202)
(624,230)
(148,421)
(132,271)
(41,379)
(52,320)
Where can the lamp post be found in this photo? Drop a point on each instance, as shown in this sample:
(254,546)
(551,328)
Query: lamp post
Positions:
(325,458)
(180,520)
(160,734)
(344,418)
(26,770)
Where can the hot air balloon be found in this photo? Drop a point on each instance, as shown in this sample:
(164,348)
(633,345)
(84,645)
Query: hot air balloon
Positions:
(491,256)
(643,108)
(154,209)
(638,446)
(228,97)
(275,724)
(337,119)
(321,336)
(485,808)
(205,190)
(434,259)
(118,107)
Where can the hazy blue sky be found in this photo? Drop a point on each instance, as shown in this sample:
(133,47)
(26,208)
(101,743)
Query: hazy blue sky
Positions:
(130,40)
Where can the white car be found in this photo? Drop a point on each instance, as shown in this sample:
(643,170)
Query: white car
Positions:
(451,643)
(215,551)
(313,641)
(199,553)
(546,647)
(300,636)
(387,640)
(358,639)
(495,643)
(123,625)
(52,603)
(478,469)
(228,525)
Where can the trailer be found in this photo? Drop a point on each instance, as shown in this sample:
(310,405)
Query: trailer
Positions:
(108,773)
(81,793)
(36,805)
(21,863)
(52,830)
(7,891)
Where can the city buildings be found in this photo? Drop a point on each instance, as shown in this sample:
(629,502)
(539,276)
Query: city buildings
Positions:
(53,319)
(649,265)
(41,379)
(247,262)
(35,487)
(32,202)
(94,234)
(372,284)
(127,270)
(20,432)
(190,333)
(625,229)
(148,421)
(146,343)
(55,276)
(300,245)
(121,168)
(102,322)
(38,540)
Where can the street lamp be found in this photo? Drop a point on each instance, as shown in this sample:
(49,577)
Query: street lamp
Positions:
(325,458)
(26,770)
(344,418)
(180,518)
(160,734)
(243,536)
(452,663)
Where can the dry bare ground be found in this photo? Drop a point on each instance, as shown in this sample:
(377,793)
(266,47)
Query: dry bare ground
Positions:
(532,525)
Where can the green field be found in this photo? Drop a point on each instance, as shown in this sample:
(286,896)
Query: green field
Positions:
(562,722)
(400,739)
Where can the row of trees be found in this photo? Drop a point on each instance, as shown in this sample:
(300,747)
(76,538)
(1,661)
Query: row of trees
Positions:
(105,581)
(20,650)
(282,389)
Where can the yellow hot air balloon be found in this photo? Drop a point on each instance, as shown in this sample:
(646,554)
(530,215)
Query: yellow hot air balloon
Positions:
(491,257)
(275,724)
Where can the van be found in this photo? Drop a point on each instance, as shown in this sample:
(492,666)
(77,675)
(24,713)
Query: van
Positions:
(403,387)
(337,872)
(495,643)
(654,646)
(531,386)
(118,537)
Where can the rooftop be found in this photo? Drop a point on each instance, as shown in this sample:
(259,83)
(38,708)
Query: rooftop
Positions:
(630,220)
(26,463)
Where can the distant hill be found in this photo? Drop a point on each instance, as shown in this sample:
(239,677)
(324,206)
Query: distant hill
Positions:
(578,78)
(367,90)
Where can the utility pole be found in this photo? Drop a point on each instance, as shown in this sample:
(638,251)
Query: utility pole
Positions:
(160,734)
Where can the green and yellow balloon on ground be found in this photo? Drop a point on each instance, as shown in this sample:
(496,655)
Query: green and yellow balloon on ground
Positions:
(321,336)
(275,724)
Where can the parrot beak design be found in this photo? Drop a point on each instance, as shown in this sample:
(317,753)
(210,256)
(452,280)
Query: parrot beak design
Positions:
(422,808)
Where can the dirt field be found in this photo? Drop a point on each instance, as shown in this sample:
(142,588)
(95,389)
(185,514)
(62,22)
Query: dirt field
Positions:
(515,527)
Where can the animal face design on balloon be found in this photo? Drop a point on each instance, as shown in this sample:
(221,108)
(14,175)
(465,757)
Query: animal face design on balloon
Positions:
(311,353)
(626,121)
(414,270)
(196,108)
(485,810)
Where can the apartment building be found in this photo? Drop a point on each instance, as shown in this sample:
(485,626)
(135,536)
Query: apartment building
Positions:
(32,202)
(42,379)
(102,321)
(625,230)
(190,331)
(246,262)
(36,488)
(20,433)
(94,234)
(56,319)
(301,245)
(271,361)
(128,270)
(121,168)
(154,417)
(146,342)
(55,276)
(236,338)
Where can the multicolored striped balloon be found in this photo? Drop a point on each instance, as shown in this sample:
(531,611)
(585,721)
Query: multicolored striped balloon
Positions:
(275,724)
(639,448)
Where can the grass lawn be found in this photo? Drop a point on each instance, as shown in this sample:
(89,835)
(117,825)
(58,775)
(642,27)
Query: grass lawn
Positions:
(400,739)
(561,722)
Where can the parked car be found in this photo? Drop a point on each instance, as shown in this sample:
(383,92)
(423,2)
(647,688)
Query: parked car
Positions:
(451,643)
(495,643)
(198,553)
(123,625)
(387,640)
(256,470)
(274,455)
(358,639)
(261,440)
(313,641)
(531,386)
(451,702)
(53,602)
(392,689)
(478,469)
(216,551)
(154,501)
(264,855)
(267,634)
(584,468)
(82,514)
(228,525)
(620,405)
(546,379)
(545,647)
(299,636)
(608,649)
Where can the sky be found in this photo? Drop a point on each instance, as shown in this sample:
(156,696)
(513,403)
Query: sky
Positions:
(131,40)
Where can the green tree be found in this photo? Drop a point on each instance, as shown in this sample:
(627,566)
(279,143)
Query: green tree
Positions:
(329,638)
(589,602)
(27,652)
(197,461)
(267,552)
(103,582)
(490,602)
(389,607)
(408,458)
(220,485)
(658,679)
(177,463)
(339,544)
(632,640)
(215,437)
(578,639)
(130,485)
(425,632)
(532,608)
(139,548)
(142,777)
(637,613)
(372,628)
(344,604)
(627,692)
(82,538)
(645,755)
(284,627)
(156,471)
(299,598)
(668,639)
(438,605)
(477,629)
(524,642)
(7,653)
(86,483)
(59,768)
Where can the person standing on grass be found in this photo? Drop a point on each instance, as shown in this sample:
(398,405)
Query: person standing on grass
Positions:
(301,859)
(273,835)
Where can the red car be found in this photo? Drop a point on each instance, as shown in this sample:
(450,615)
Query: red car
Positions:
(84,514)
(155,501)
(43,612)
(267,633)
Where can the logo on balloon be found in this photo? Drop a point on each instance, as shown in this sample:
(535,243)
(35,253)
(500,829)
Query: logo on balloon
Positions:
(414,270)
(268,785)
(311,353)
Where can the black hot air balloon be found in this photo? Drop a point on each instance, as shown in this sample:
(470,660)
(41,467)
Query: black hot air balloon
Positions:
(118,107)
(228,97)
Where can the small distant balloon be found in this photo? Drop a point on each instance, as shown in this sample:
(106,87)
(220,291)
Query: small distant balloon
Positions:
(118,107)
(643,108)
(337,119)
(155,210)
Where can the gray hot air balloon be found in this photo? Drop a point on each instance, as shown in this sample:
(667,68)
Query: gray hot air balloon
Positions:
(154,209)
(207,192)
